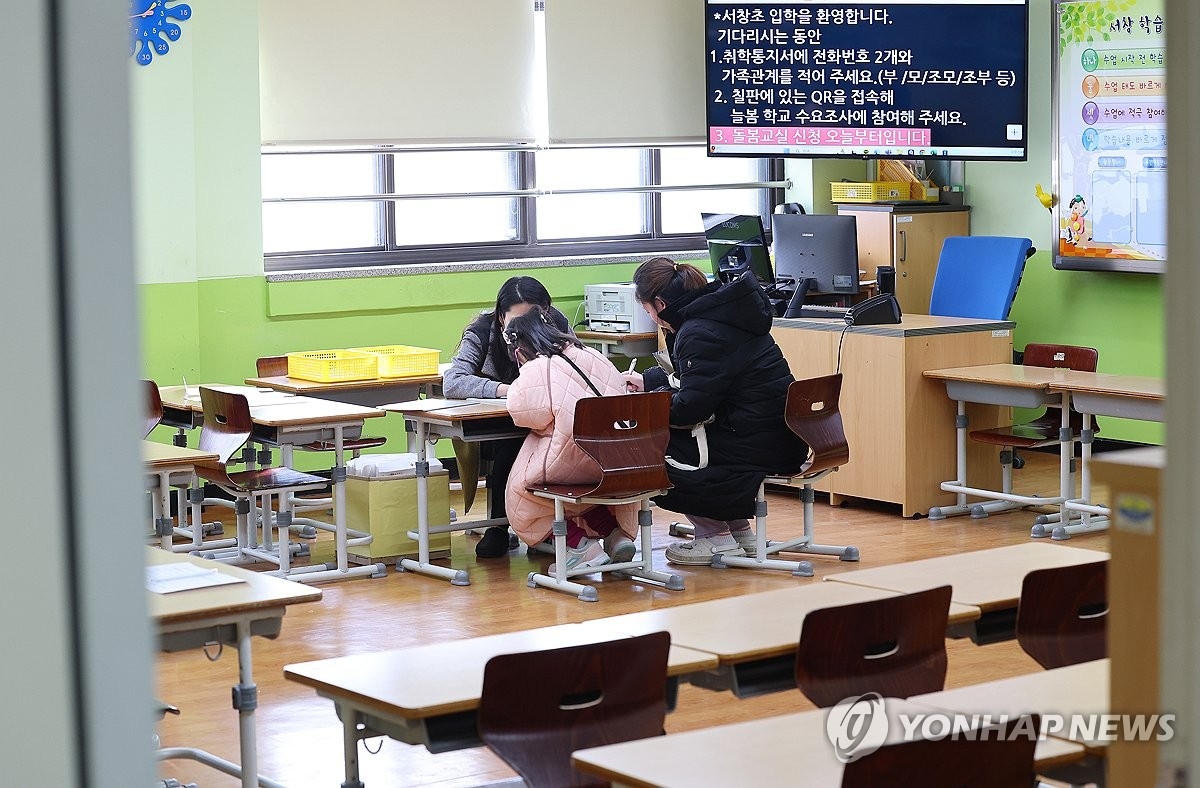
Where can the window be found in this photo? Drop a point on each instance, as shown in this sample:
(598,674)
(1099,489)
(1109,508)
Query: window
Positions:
(389,206)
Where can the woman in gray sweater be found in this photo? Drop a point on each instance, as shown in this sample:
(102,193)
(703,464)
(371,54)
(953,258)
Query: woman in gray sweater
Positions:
(483,368)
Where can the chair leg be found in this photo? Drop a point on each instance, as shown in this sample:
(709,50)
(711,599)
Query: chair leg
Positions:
(559,581)
(644,568)
(761,560)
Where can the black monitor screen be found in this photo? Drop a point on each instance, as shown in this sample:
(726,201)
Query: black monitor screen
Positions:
(737,243)
(823,247)
(877,78)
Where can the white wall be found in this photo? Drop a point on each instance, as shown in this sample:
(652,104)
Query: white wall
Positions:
(76,679)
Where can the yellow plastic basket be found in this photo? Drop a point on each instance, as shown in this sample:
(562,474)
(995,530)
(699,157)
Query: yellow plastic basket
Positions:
(403,361)
(331,366)
(872,191)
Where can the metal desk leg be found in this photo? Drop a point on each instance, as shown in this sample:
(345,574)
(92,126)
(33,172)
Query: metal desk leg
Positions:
(960,463)
(350,747)
(1092,516)
(457,577)
(341,570)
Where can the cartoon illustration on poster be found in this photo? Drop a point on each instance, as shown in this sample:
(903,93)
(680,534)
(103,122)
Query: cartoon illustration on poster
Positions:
(1112,129)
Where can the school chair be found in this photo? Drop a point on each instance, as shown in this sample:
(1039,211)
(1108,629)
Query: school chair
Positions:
(538,707)
(894,646)
(1062,616)
(154,407)
(1000,758)
(627,436)
(227,428)
(811,411)
(1044,430)
(191,528)
(977,276)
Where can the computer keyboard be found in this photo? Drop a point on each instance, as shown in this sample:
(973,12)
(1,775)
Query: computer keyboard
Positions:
(822,311)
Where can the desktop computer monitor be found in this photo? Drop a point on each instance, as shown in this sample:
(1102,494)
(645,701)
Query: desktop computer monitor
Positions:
(822,248)
(736,244)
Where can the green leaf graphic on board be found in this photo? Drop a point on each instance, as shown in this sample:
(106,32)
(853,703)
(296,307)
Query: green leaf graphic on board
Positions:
(1079,22)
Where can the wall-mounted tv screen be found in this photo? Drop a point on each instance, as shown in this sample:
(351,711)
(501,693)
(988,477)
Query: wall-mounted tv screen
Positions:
(868,78)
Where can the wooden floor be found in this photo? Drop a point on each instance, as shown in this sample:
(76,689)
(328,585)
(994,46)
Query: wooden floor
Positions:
(299,736)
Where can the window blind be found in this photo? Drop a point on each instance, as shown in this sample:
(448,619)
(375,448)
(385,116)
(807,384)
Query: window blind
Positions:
(625,71)
(396,71)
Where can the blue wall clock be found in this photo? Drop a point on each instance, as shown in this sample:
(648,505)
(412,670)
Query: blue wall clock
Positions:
(150,27)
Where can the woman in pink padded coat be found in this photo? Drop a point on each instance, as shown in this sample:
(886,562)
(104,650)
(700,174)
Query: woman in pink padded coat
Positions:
(557,371)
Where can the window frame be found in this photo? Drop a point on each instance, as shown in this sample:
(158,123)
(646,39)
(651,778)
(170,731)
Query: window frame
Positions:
(526,247)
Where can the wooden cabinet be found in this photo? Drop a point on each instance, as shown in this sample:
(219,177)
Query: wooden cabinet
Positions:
(908,237)
(900,424)
(1134,481)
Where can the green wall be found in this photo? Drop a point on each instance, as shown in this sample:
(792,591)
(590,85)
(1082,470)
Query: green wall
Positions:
(207,311)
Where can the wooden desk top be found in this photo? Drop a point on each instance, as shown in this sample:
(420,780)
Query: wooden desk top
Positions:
(442,678)
(259,592)
(767,624)
(273,409)
(446,411)
(791,749)
(1017,375)
(165,455)
(1137,386)
(1055,379)
(909,325)
(1075,689)
(298,386)
(311,411)
(989,579)
(617,336)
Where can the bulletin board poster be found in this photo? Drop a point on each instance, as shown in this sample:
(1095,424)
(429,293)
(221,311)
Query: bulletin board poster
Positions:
(1111,120)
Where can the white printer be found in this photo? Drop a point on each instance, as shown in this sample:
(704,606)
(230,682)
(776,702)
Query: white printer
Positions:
(613,308)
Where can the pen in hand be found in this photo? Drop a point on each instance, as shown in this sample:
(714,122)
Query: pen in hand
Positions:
(632,365)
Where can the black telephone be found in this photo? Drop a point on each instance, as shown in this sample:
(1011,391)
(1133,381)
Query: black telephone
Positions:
(879,310)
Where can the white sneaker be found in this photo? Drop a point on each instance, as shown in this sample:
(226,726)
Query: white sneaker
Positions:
(746,540)
(700,552)
(588,555)
(619,546)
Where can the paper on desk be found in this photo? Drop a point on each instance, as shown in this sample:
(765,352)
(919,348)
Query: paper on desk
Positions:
(497,401)
(169,578)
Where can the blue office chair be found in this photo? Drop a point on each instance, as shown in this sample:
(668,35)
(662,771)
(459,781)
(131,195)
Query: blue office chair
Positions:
(977,276)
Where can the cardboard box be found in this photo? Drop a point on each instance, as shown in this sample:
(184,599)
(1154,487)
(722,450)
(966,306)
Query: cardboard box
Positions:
(381,499)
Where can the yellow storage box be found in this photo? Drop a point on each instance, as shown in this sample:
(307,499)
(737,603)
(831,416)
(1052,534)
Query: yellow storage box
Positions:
(403,361)
(332,366)
(381,499)
(871,191)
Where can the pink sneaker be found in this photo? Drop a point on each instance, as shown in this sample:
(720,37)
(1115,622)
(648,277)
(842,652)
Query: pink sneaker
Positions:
(588,555)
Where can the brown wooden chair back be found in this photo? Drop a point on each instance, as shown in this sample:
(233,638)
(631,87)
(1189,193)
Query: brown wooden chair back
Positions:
(227,424)
(894,646)
(1062,617)
(154,406)
(1075,357)
(538,707)
(271,366)
(812,413)
(1001,758)
(627,436)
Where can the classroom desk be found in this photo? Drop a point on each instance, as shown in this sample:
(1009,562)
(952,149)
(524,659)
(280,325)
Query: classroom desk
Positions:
(288,421)
(228,615)
(1007,384)
(758,654)
(621,344)
(897,421)
(1075,689)
(1102,394)
(988,579)
(432,419)
(429,695)
(175,466)
(371,393)
(790,749)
